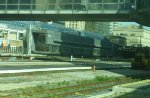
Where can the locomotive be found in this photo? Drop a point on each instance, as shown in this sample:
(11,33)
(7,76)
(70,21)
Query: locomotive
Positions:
(141,59)
(56,40)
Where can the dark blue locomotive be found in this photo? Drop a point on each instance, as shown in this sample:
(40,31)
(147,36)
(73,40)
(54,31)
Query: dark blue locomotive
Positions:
(58,40)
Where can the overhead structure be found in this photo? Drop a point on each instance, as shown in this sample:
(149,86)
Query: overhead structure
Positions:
(103,10)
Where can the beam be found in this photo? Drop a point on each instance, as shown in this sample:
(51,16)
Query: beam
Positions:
(66,17)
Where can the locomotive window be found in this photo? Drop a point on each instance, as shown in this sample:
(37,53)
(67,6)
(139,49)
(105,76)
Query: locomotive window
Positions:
(21,36)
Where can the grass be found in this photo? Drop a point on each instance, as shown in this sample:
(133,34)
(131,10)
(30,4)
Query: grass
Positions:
(95,80)
(41,90)
(102,78)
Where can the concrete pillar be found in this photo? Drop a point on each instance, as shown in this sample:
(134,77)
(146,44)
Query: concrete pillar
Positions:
(17,36)
(29,39)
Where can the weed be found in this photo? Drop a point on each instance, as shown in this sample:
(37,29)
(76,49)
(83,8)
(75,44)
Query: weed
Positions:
(102,78)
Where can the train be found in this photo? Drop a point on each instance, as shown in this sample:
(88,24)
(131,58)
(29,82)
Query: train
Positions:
(141,59)
(56,40)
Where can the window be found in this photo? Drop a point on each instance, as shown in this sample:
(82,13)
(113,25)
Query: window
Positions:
(12,1)
(26,4)
(95,1)
(12,4)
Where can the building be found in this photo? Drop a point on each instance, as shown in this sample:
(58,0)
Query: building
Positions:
(105,28)
(81,25)
(10,35)
(135,36)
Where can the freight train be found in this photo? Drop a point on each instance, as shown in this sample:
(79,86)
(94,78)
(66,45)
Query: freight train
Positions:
(55,40)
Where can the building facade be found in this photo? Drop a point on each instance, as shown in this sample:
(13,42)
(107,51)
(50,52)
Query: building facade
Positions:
(81,25)
(134,35)
(105,28)
(13,37)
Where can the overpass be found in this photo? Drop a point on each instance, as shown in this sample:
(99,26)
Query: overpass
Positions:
(48,10)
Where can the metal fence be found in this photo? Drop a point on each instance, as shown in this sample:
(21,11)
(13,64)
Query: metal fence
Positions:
(58,5)
(11,50)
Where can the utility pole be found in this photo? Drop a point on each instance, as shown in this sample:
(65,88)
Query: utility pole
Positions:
(29,39)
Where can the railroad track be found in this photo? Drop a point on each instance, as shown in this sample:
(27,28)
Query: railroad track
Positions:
(77,90)
(63,92)
(93,88)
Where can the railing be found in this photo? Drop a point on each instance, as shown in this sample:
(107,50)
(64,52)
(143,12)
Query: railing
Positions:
(11,50)
(60,5)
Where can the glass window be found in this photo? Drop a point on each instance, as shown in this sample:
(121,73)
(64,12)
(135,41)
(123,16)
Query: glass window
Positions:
(95,1)
(110,1)
(2,1)
(26,4)
(50,1)
(26,1)
(67,1)
(94,6)
(2,4)
(110,6)
(12,4)
(122,1)
(77,1)
(12,1)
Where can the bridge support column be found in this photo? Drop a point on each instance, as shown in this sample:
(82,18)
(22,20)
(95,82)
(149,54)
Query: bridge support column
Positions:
(29,40)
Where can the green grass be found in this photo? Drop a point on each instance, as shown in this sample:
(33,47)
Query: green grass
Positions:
(47,86)
(102,78)
(41,90)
